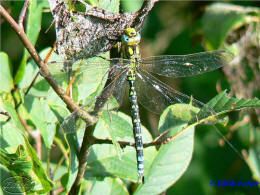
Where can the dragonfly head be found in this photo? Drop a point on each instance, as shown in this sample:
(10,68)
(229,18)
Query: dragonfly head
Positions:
(131,37)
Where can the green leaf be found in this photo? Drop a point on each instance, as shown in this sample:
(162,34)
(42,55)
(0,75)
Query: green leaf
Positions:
(104,160)
(254,162)
(6,70)
(10,138)
(74,141)
(113,186)
(219,19)
(222,103)
(16,162)
(38,168)
(41,86)
(36,109)
(90,80)
(19,164)
(33,28)
(112,5)
(112,128)
(172,158)
(30,72)
(131,5)
(178,152)
(59,111)
(72,133)
(181,114)
(9,107)
(253,159)
(8,178)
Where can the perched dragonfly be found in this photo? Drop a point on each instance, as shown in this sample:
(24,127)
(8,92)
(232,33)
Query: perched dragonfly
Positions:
(135,72)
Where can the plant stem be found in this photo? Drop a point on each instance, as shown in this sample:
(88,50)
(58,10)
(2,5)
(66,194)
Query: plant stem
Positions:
(23,13)
(88,141)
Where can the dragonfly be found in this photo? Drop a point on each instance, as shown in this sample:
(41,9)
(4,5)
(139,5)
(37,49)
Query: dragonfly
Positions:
(137,75)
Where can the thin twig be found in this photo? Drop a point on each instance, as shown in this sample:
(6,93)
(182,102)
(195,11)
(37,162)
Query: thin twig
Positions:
(48,164)
(65,154)
(109,141)
(5,113)
(38,73)
(47,30)
(71,81)
(62,147)
(58,165)
(59,190)
(161,139)
(23,13)
(36,135)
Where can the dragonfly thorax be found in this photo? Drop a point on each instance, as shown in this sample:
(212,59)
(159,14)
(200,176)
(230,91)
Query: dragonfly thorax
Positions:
(130,44)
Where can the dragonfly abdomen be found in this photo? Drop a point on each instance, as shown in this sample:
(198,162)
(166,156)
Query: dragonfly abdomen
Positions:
(136,128)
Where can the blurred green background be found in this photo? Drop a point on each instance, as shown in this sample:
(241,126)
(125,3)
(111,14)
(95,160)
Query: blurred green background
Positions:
(174,27)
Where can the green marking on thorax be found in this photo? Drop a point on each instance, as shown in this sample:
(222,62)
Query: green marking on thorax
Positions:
(130,50)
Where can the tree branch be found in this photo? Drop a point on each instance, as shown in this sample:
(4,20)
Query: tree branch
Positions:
(161,139)
(87,142)
(82,35)
(141,14)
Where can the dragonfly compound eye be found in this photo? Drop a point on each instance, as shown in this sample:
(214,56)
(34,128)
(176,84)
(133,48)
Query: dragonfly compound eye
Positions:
(125,39)
(131,32)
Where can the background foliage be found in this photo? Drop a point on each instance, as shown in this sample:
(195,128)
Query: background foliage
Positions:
(171,28)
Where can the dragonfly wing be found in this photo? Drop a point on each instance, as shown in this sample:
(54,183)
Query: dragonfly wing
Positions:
(80,72)
(155,96)
(114,91)
(86,64)
(87,73)
(109,98)
(186,65)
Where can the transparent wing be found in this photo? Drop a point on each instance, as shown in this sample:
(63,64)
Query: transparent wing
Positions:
(67,71)
(57,67)
(87,73)
(113,93)
(110,98)
(186,65)
(156,96)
